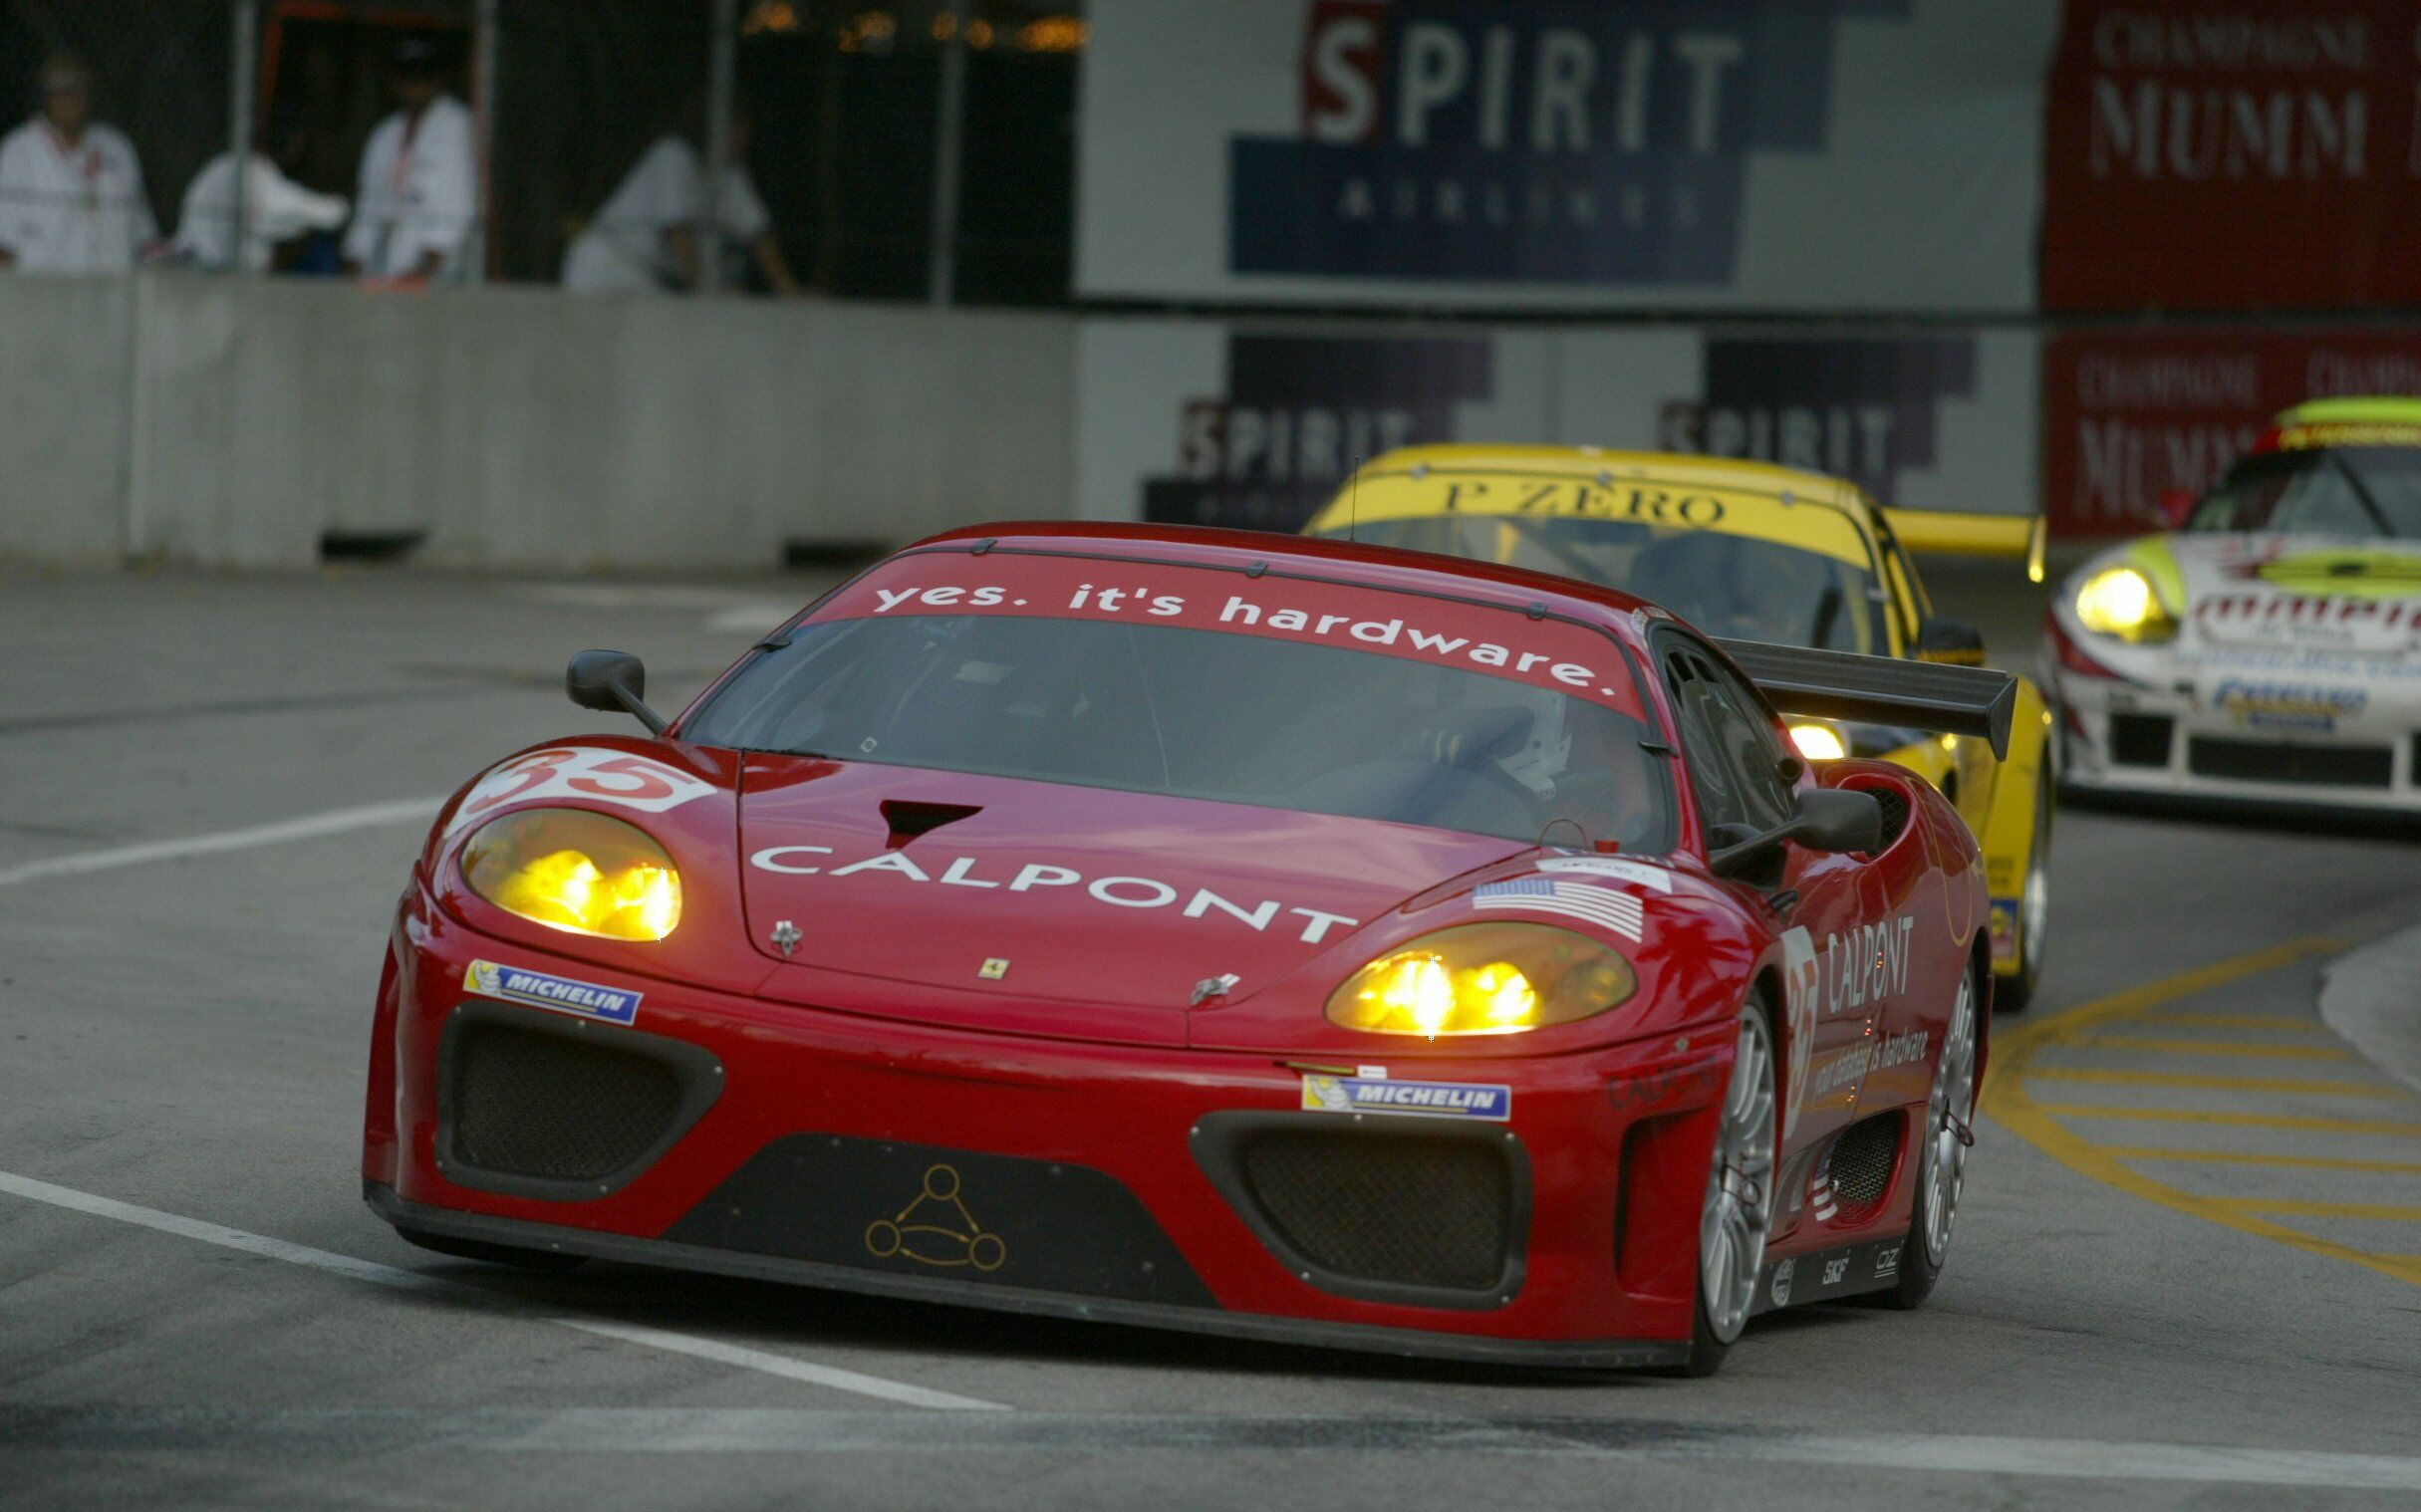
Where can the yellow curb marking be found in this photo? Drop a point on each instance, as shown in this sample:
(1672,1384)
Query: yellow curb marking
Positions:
(2231,1158)
(2387,1126)
(2005,1098)
(2388,1211)
(2233,1021)
(2219,1047)
(2216,1084)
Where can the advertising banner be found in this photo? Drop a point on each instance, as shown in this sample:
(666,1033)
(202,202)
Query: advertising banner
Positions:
(1258,424)
(2131,415)
(1801,155)
(2233,155)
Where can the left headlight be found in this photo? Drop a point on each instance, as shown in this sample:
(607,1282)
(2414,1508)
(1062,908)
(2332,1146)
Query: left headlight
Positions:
(575,871)
(2121,602)
(1490,978)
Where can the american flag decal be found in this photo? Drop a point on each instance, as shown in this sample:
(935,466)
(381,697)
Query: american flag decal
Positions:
(1602,906)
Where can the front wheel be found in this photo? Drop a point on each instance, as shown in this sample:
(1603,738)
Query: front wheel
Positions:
(1739,1209)
(1942,1143)
(2016,990)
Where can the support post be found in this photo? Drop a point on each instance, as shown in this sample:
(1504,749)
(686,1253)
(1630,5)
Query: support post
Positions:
(950,127)
(483,139)
(722,63)
(243,88)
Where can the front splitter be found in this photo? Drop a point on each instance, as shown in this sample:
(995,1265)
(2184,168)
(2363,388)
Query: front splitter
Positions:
(1582,1355)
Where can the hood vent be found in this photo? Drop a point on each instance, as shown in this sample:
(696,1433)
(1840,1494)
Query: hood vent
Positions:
(910,818)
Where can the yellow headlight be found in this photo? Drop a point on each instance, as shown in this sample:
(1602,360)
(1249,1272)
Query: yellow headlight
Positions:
(575,871)
(1818,742)
(2119,600)
(1492,978)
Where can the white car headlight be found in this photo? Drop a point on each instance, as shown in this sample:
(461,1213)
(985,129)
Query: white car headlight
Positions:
(2120,601)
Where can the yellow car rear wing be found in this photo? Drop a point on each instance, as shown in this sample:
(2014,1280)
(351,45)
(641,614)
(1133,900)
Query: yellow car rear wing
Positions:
(1925,695)
(1961,535)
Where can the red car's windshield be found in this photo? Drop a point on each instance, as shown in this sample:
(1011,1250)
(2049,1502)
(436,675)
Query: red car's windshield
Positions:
(2320,490)
(1282,693)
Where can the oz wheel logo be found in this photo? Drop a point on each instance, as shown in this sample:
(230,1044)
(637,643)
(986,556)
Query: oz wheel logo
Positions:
(936,1229)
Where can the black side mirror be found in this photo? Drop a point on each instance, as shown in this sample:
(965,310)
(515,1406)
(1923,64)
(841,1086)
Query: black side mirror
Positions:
(1831,819)
(614,681)
(1953,643)
(1838,820)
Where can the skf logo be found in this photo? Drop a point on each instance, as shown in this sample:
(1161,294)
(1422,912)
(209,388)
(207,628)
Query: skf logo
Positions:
(1550,139)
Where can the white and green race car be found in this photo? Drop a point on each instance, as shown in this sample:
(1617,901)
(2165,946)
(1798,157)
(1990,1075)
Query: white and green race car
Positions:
(2266,649)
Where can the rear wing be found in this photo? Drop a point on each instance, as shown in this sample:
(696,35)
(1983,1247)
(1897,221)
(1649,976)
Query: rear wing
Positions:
(1959,535)
(1955,701)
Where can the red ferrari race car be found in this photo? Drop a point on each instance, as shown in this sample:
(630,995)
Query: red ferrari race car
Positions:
(1217,931)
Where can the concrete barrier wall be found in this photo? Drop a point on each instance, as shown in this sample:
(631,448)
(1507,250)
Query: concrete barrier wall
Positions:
(64,422)
(232,423)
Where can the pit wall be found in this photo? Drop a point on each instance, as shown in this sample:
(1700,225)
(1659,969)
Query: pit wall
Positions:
(239,423)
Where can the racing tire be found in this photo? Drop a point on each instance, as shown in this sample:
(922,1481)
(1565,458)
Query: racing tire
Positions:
(495,1254)
(1738,1213)
(2012,993)
(1941,1144)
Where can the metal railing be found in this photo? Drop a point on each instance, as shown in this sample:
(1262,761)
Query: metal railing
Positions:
(862,112)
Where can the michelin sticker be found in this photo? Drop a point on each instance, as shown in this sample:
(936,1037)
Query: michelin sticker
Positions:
(512,984)
(1453,1100)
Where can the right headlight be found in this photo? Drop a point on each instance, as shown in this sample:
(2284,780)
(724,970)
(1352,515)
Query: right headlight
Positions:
(2122,602)
(1499,977)
(1818,741)
(575,871)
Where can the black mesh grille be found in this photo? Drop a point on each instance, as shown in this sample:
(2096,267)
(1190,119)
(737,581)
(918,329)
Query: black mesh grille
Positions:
(542,1106)
(2327,766)
(2140,740)
(1403,1210)
(1895,810)
(1863,1160)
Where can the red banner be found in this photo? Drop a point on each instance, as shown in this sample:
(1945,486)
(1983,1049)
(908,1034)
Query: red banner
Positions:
(2130,415)
(2229,154)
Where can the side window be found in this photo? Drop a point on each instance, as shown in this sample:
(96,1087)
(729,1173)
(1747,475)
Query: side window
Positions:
(1734,758)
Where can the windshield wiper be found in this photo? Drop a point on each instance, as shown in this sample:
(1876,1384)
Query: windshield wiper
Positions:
(1828,609)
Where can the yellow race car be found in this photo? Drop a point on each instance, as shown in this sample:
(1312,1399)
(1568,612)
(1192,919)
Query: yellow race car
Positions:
(1752,552)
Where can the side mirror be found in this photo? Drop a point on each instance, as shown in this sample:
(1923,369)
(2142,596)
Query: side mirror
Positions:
(1830,820)
(1953,643)
(1838,820)
(614,681)
(2176,507)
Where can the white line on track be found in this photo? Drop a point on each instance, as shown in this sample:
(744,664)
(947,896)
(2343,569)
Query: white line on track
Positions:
(349,1266)
(309,826)
(1089,1437)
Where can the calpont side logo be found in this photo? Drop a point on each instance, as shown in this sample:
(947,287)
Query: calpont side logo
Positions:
(1550,140)
(1860,409)
(1300,412)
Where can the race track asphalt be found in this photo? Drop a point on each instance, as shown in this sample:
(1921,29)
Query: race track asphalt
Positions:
(2187,1273)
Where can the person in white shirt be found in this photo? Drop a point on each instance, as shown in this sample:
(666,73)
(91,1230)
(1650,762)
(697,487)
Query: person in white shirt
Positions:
(279,208)
(650,234)
(419,190)
(71,189)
